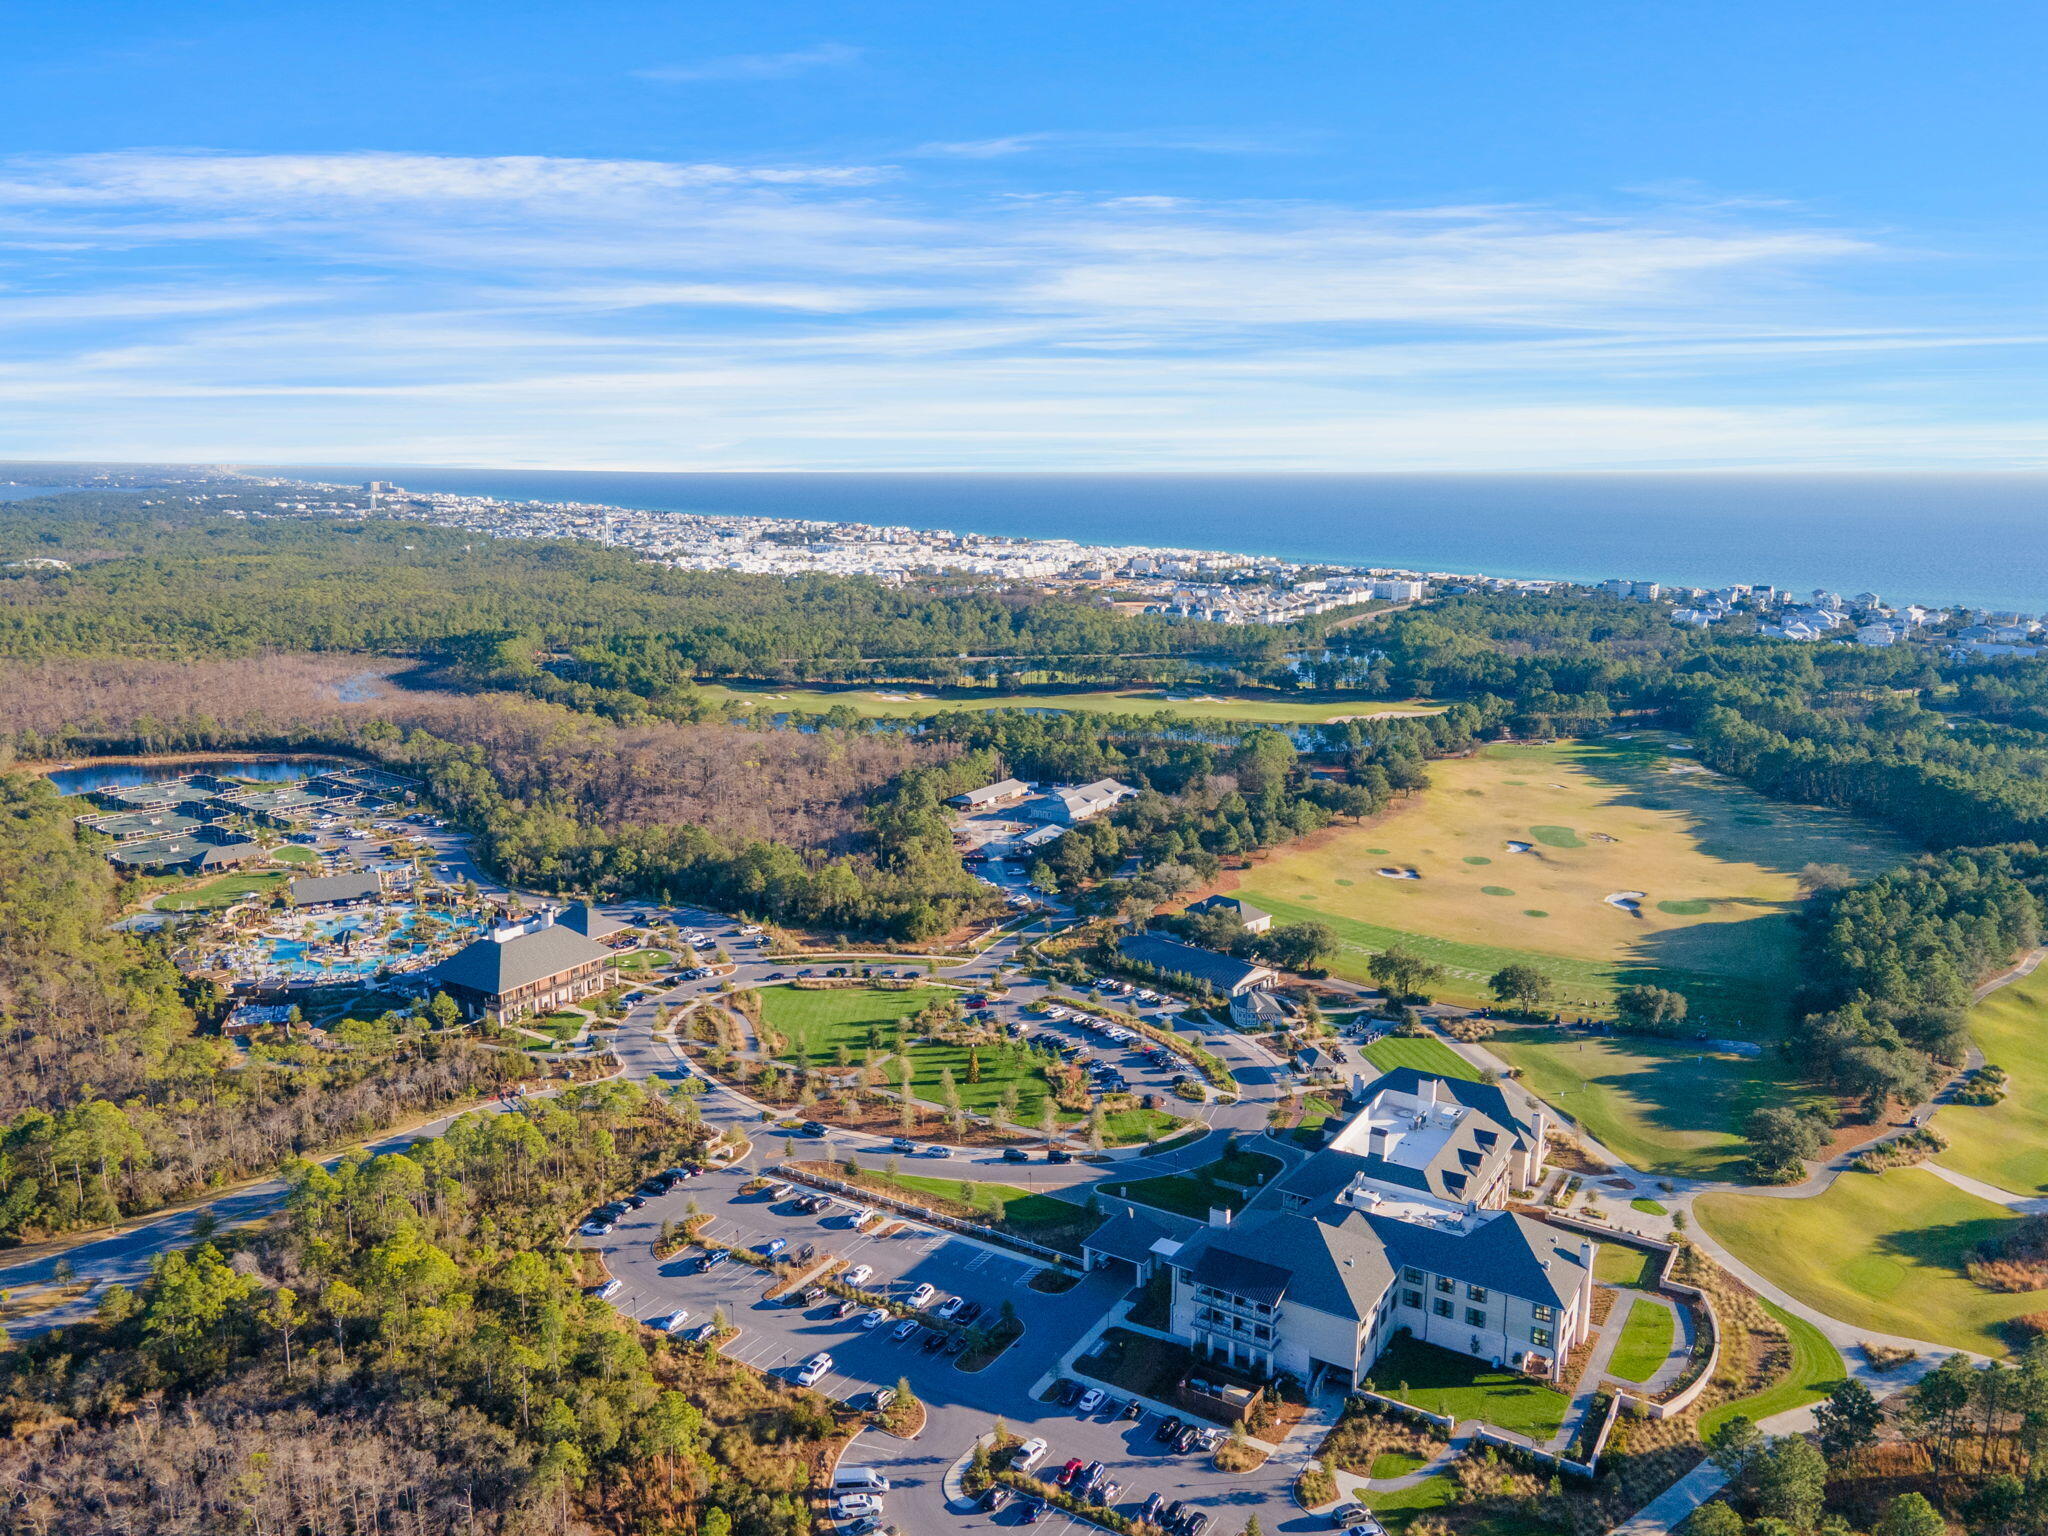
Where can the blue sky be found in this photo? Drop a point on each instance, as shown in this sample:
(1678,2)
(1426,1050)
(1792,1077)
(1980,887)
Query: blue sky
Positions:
(1499,234)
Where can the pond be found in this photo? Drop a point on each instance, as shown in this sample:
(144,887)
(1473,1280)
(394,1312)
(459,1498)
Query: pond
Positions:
(125,775)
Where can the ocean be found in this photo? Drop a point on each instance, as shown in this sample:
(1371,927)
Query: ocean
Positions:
(1975,539)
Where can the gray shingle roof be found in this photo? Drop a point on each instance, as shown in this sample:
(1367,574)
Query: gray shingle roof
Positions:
(1131,1234)
(1486,1098)
(1223,972)
(490,967)
(315,889)
(585,919)
(1243,911)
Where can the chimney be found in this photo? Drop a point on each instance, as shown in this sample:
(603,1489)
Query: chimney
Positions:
(1432,1090)
(1219,1215)
(1378,1143)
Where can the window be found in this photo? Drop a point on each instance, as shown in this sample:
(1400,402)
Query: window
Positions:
(1443,1308)
(1475,1317)
(1542,1313)
(1475,1293)
(1412,1275)
(1446,1284)
(1412,1299)
(1540,1337)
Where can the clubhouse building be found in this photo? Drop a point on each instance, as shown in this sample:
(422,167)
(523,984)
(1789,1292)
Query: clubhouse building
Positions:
(1395,1227)
(531,966)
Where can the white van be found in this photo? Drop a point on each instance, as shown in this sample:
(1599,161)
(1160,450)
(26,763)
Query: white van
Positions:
(859,1480)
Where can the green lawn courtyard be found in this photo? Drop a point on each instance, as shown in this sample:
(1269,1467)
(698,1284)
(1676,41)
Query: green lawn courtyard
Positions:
(2006,1143)
(224,892)
(818,1025)
(1225,1184)
(1645,1342)
(1884,1251)
(1465,1388)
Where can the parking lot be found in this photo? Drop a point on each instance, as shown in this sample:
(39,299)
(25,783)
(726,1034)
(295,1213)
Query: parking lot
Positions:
(961,1405)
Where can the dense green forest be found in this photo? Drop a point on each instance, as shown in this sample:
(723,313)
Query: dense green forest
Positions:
(114,1099)
(613,629)
(410,1349)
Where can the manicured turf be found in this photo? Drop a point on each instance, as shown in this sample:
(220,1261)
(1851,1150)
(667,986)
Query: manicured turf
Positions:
(910,701)
(645,959)
(1042,1218)
(1196,1193)
(1395,1464)
(1817,1369)
(294,853)
(818,1023)
(1647,1206)
(1399,1509)
(1645,1342)
(1707,839)
(1465,1388)
(2006,1144)
(1425,1053)
(1884,1252)
(1666,1106)
(1624,1264)
(225,891)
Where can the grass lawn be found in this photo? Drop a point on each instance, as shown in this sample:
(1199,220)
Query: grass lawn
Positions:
(818,1023)
(1666,1106)
(911,701)
(1465,1388)
(1624,1264)
(1212,1186)
(223,892)
(1400,1509)
(645,959)
(1817,1369)
(1718,865)
(1647,1206)
(2007,1143)
(1395,1464)
(1645,1341)
(1042,1218)
(1884,1252)
(294,853)
(1425,1053)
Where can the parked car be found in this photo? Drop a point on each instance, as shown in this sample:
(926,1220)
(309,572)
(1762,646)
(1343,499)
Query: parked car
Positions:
(866,1525)
(922,1296)
(706,1333)
(881,1398)
(1016,1155)
(594,1228)
(813,1127)
(1108,1493)
(1069,1472)
(904,1329)
(957,1344)
(673,1322)
(1189,1439)
(1028,1455)
(969,1312)
(1055,1155)
(875,1319)
(1089,1476)
(1197,1523)
(1170,1430)
(950,1309)
(860,1274)
(1171,1516)
(1090,1400)
(934,1339)
(812,1371)
(711,1260)
(1034,1512)
(1065,1392)
(608,1290)
(902,1144)
(773,1246)
(851,1506)
(936,1151)
(1356,1517)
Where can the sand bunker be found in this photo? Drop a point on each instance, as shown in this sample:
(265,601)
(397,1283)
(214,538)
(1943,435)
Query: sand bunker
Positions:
(1397,874)
(1519,847)
(1628,901)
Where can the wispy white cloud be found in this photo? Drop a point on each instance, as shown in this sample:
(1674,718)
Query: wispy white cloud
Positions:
(1084,141)
(756,66)
(646,313)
